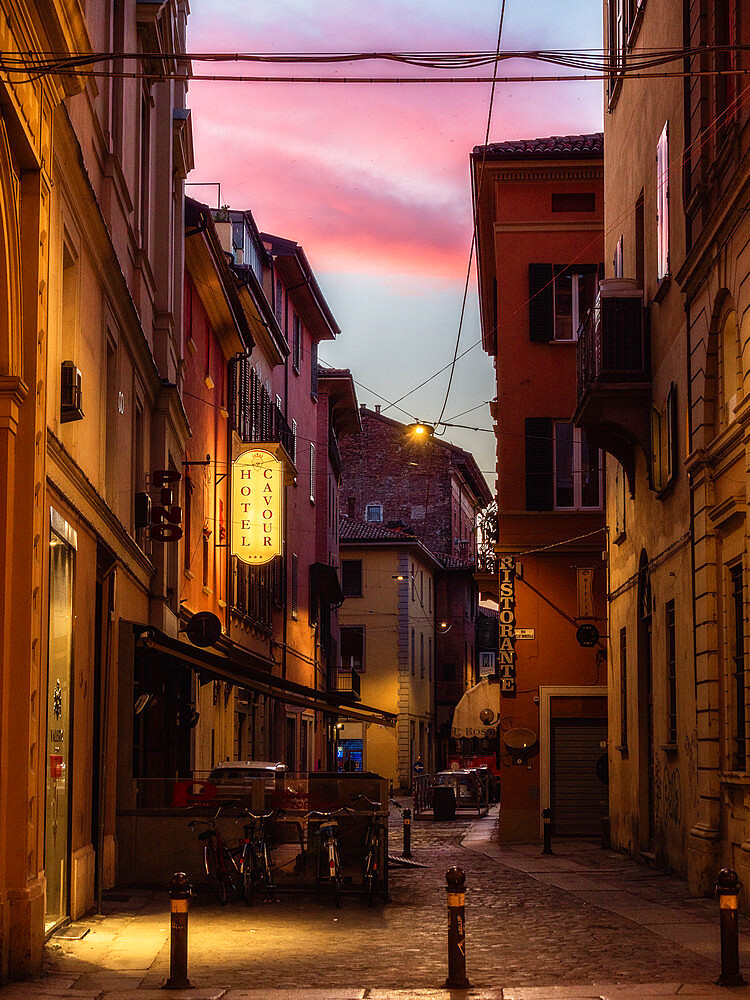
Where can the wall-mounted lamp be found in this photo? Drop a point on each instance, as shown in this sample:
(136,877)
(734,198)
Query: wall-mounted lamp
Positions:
(445,626)
(399,576)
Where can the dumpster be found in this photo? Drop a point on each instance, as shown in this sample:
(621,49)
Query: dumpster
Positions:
(444,802)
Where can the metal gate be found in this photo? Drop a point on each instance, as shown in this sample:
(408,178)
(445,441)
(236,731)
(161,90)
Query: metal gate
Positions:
(579,796)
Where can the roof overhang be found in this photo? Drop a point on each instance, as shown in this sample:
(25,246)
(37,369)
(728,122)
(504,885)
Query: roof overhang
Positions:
(247,670)
(343,401)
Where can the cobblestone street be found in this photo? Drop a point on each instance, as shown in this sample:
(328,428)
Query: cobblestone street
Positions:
(580,918)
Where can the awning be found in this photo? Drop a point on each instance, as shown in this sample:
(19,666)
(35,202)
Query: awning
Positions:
(325,580)
(244,670)
(467,721)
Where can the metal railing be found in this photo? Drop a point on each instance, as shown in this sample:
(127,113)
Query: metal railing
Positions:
(345,681)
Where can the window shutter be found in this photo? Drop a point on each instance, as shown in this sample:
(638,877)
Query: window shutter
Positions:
(541,302)
(539,467)
(314,368)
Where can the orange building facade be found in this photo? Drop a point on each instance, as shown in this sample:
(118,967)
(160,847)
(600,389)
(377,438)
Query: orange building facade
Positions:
(538,210)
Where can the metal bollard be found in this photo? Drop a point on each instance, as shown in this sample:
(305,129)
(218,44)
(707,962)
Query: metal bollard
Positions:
(407,834)
(179,894)
(547,827)
(728,888)
(455,886)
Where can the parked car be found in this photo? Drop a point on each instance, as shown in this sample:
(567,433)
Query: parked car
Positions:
(232,777)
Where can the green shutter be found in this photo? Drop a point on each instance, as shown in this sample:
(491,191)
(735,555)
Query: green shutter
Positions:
(541,302)
(539,464)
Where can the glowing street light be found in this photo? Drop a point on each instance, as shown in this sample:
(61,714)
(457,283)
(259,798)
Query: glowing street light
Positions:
(419,430)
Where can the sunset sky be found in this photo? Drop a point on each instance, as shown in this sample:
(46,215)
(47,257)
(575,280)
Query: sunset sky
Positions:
(373,179)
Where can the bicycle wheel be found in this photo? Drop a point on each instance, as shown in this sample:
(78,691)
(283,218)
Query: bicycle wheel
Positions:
(336,877)
(266,865)
(248,877)
(371,874)
(211,862)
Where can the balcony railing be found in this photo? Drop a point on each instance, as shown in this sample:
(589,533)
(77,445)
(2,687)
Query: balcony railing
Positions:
(345,681)
(613,339)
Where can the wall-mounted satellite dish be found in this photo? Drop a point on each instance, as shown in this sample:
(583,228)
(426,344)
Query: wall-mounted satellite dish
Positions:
(519,738)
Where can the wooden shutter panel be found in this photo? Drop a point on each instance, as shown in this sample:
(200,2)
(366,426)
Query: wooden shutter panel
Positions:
(539,468)
(541,302)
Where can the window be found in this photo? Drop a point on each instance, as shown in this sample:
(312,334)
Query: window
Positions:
(294,441)
(559,298)
(353,647)
(278,299)
(662,204)
(664,441)
(373,511)
(429,595)
(187,516)
(421,655)
(312,473)
(577,470)
(730,374)
(145,169)
(294,586)
(736,649)
(617,265)
(429,658)
(620,493)
(623,689)
(576,201)
(314,369)
(296,343)
(640,243)
(669,624)
(413,664)
(351,577)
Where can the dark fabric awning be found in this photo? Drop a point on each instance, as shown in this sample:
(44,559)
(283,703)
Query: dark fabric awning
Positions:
(245,670)
(325,579)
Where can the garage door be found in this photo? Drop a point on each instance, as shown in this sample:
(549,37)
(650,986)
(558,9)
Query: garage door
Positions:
(579,796)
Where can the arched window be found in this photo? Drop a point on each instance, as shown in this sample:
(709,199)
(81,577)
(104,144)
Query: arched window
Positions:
(730,368)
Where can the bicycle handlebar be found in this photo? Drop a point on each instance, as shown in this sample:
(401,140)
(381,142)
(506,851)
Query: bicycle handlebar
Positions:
(375,805)
(326,815)
(251,815)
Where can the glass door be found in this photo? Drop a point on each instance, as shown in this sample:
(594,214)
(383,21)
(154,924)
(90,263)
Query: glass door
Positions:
(59,717)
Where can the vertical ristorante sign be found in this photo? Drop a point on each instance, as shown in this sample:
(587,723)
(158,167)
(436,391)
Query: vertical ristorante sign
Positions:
(506,659)
(257,483)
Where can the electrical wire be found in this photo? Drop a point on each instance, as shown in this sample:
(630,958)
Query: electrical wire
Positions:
(474,227)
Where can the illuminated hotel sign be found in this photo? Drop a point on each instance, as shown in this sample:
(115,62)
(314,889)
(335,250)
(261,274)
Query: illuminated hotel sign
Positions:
(257,481)
(506,656)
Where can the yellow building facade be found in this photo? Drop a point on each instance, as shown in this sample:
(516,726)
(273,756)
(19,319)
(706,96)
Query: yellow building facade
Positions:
(388,582)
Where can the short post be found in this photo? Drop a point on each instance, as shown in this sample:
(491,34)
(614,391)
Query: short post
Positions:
(179,894)
(547,829)
(407,834)
(455,886)
(728,888)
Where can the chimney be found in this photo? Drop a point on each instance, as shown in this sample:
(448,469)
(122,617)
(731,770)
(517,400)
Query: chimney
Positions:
(377,407)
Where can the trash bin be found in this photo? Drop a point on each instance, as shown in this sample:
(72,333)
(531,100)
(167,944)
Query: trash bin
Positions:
(444,802)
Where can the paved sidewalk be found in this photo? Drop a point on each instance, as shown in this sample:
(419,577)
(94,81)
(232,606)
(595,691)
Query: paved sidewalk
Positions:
(579,925)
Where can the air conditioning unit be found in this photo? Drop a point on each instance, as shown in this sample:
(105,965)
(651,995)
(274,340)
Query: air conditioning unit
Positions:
(71,397)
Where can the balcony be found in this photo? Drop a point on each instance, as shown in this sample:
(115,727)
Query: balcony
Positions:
(345,681)
(614,374)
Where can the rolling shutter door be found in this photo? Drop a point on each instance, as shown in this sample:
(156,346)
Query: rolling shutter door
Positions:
(579,798)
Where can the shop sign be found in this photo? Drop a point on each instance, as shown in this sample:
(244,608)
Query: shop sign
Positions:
(525,633)
(506,656)
(256,533)
(166,516)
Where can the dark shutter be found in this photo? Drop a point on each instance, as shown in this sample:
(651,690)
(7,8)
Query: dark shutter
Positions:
(541,302)
(539,479)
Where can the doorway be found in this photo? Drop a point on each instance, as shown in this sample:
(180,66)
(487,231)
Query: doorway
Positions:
(646,750)
(62,548)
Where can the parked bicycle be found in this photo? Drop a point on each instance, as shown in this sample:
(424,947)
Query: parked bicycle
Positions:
(371,863)
(219,861)
(329,858)
(255,862)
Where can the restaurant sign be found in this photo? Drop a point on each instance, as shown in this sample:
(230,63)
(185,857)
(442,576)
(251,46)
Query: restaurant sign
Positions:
(257,481)
(506,658)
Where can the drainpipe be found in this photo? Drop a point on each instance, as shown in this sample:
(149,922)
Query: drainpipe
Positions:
(109,578)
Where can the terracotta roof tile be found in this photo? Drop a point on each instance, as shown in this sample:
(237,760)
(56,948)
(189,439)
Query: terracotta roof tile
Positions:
(351,530)
(552,147)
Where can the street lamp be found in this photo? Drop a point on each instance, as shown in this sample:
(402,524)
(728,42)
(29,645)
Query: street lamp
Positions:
(419,430)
